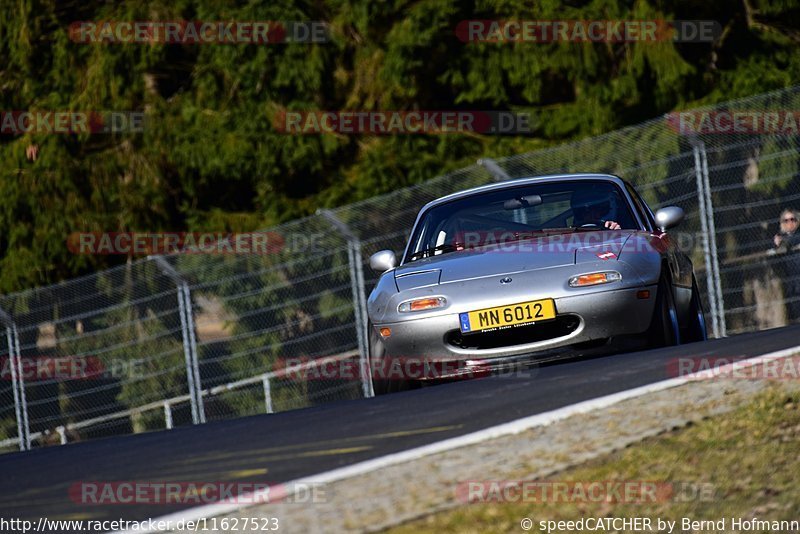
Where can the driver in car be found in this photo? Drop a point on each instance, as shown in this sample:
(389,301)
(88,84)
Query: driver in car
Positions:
(593,208)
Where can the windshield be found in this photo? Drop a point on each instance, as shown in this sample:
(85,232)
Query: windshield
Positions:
(518,213)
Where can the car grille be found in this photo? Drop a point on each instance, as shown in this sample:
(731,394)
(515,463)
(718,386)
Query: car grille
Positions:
(562,326)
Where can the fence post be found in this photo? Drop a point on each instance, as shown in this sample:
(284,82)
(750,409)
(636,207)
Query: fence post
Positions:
(494,169)
(706,210)
(17,382)
(189,340)
(188,310)
(167,415)
(267,393)
(701,198)
(712,232)
(62,435)
(359,296)
(22,395)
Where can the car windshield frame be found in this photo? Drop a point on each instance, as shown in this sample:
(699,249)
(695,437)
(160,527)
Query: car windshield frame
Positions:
(414,246)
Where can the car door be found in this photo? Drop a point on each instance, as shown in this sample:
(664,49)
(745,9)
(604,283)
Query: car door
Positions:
(679,264)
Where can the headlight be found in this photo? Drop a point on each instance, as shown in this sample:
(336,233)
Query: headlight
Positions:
(426,303)
(593,279)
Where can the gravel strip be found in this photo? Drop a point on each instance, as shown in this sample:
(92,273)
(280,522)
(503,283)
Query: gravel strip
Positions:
(395,494)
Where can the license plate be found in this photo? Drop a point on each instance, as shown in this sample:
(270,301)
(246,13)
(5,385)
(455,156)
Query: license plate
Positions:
(507,316)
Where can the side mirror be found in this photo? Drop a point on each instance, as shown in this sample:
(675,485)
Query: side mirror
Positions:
(382,261)
(669,217)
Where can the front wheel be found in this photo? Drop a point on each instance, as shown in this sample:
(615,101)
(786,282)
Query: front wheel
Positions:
(664,327)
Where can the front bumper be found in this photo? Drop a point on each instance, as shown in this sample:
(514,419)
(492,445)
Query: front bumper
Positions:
(599,315)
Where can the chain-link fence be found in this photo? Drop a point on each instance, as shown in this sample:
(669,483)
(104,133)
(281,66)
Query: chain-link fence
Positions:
(189,338)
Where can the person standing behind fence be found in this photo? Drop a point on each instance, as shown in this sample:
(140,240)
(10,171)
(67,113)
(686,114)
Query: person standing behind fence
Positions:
(788,237)
(787,241)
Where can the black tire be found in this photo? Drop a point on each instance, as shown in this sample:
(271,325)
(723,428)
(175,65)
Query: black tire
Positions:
(696,329)
(664,327)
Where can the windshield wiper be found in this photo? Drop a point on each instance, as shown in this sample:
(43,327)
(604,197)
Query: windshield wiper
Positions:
(557,230)
(443,248)
(535,234)
(592,228)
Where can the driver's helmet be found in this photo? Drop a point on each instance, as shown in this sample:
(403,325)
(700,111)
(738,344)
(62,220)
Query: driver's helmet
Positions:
(593,205)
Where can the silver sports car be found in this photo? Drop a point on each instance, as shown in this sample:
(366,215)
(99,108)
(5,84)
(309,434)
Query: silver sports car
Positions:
(517,269)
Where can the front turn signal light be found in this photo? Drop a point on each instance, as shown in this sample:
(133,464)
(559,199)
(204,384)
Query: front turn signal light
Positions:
(427,303)
(593,279)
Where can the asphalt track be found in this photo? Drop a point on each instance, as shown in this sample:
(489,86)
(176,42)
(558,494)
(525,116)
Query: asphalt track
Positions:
(289,445)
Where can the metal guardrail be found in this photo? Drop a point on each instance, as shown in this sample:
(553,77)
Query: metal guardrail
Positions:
(167,404)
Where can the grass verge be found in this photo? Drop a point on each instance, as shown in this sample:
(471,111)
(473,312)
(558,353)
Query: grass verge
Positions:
(742,465)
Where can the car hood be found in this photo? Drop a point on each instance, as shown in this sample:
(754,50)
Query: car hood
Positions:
(524,255)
